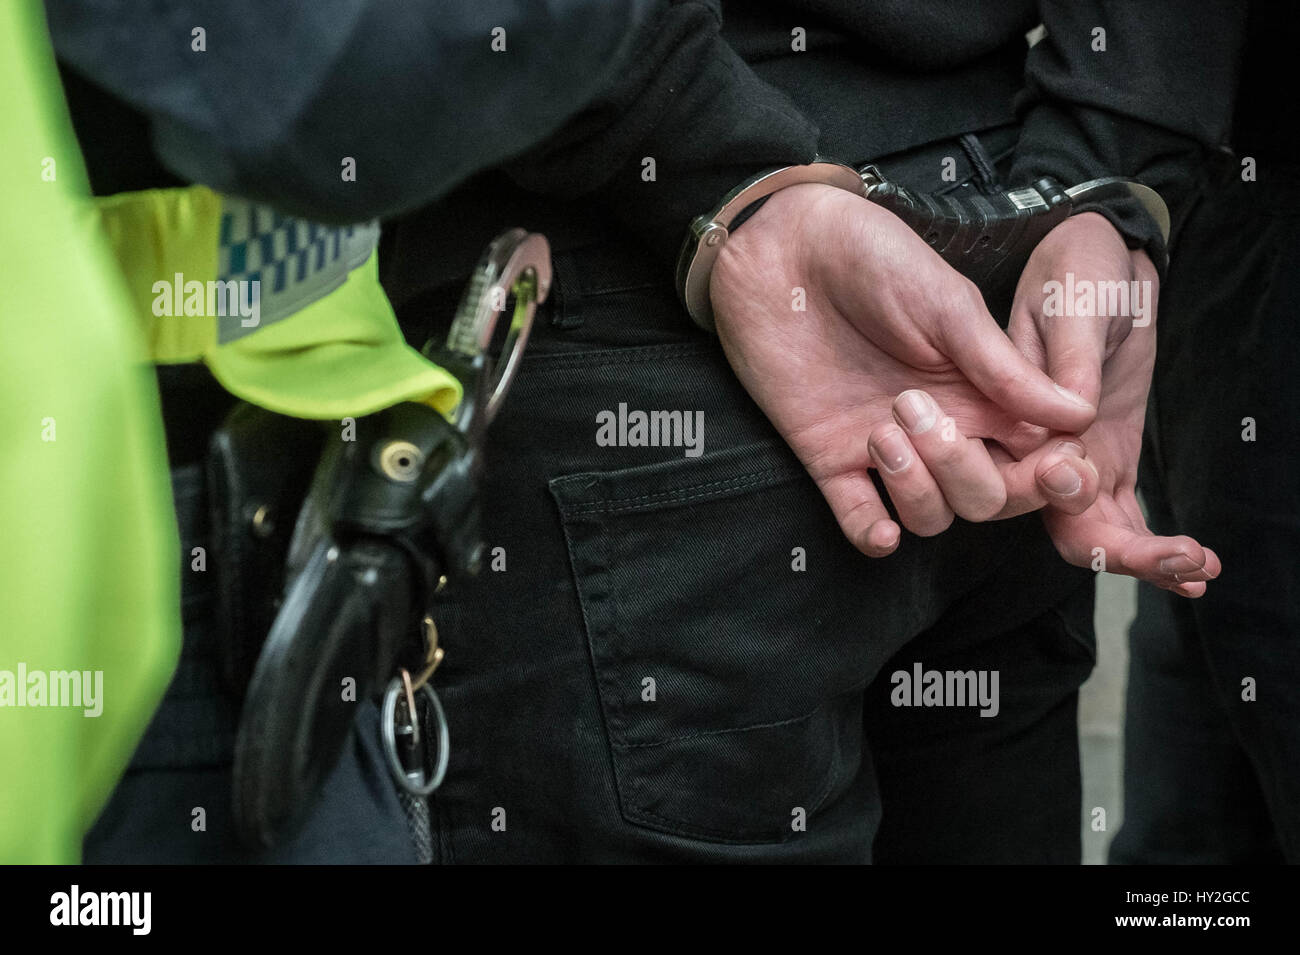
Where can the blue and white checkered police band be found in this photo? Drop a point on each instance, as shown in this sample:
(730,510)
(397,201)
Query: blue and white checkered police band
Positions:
(288,263)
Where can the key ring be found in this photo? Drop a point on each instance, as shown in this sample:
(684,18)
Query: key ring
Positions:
(388,732)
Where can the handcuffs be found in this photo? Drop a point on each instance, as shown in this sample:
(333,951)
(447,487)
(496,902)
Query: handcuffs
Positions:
(387,519)
(988,238)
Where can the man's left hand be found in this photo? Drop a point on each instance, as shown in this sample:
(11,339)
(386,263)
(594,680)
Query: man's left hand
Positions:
(1097,338)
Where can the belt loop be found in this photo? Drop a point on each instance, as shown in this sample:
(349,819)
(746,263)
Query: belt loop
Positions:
(566,293)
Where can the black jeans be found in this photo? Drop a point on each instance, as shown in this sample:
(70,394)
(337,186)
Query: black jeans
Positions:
(1211,776)
(680,658)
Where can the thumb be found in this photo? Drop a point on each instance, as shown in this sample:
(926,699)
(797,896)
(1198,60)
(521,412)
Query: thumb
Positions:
(985,355)
(1076,350)
(1076,366)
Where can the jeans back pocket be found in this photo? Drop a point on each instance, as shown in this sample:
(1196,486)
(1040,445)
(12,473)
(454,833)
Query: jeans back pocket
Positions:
(731,708)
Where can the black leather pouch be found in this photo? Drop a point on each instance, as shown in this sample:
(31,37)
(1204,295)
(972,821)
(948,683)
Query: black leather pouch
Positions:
(259,465)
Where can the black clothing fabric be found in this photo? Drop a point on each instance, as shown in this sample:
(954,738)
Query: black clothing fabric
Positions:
(887,76)
(286,90)
(1213,776)
(282,92)
(1262,122)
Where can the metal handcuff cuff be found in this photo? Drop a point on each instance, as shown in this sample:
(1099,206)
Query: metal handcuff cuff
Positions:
(987,238)
(344,593)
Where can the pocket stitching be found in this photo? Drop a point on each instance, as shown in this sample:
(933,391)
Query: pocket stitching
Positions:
(617,356)
(688,829)
(722,732)
(706,489)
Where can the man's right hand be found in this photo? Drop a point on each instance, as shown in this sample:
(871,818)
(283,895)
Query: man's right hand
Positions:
(829,309)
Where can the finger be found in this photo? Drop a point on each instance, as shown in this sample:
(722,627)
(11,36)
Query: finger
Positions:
(1185,561)
(861,514)
(1071,348)
(1024,334)
(1184,555)
(1065,478)
(912,490)
(1020,437)
(1197,588)
(1191,591)
(1126,498)
(1076,349)
(1056,475)
(1164,561)
(961,466)
(983,352)
(1212,563)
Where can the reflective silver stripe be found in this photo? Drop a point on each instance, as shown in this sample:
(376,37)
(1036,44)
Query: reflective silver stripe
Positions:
(282,263)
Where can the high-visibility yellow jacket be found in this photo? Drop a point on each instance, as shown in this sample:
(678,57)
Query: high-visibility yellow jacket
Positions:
(89,561)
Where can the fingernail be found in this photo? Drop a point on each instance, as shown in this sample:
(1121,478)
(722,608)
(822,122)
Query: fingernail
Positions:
(1070,447)
(1182,564)
(885,543)
(893,453)
(1063,479)
(1074,397)
(916,411)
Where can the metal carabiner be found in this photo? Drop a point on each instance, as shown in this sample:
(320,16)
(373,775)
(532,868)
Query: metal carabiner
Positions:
(517,264)
(433,652)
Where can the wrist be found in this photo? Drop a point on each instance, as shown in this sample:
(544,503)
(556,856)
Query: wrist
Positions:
(709,234)
(775,245)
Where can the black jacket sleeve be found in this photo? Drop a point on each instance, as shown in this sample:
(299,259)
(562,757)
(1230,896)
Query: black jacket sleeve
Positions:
(1147,106)
(686,122)
(271,98)
(636,104)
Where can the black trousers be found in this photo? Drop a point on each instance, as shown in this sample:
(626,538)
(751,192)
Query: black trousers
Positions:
(1212,738)
(678,657)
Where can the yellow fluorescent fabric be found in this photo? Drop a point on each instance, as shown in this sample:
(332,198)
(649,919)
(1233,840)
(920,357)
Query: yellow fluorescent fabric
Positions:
(343,355)
(156,235)
(89,559)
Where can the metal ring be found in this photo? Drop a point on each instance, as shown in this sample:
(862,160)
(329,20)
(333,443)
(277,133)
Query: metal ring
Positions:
(1113,186)
(388,733)
(517,263)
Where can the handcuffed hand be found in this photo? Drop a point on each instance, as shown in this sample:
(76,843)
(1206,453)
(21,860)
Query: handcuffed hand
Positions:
(1106,352)
(865,349)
